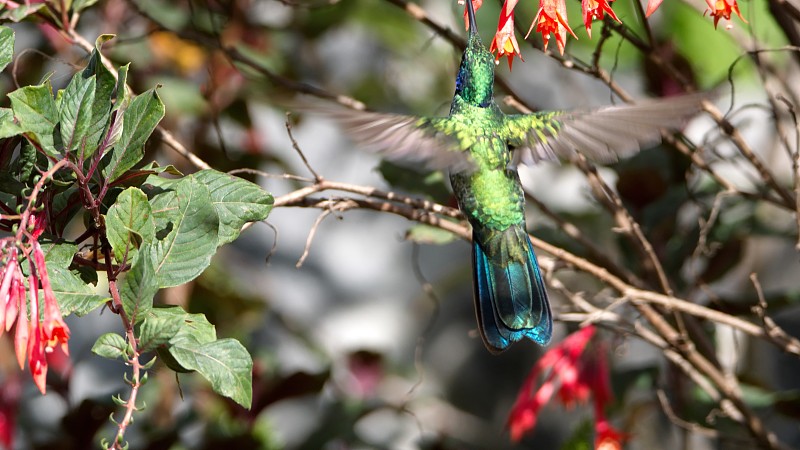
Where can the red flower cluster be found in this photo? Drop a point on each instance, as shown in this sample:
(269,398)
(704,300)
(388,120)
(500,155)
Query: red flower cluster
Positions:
(37,334)
(551,18)
(575,376)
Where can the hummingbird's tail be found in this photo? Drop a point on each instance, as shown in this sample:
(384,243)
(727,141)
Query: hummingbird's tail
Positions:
(510,297)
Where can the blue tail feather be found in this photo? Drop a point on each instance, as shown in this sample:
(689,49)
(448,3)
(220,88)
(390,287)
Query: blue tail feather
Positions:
(510,297)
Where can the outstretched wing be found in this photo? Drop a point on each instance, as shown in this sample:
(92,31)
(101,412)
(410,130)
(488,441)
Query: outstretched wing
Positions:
(401,138)
(602,134)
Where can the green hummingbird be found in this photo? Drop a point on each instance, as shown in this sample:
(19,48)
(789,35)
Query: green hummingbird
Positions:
(481,147)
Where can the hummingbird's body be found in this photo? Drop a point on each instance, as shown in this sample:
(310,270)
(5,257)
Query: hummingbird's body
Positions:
(510,296)
(481,147)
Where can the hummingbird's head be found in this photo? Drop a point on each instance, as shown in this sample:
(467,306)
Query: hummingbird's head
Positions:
(475,80)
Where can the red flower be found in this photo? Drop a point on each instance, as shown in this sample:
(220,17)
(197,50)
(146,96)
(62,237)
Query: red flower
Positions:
(606,437)
(54,329)
(36,335)
(652,6)
(36,353)
(552,18)
(476,4)
(576,376)
(505,40)
(595,9)
(723,9)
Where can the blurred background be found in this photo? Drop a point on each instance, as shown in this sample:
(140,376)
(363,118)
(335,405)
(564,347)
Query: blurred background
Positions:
(361,325)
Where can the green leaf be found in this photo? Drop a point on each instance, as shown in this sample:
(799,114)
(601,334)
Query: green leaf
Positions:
(224,363)
(157,329)
(138,122)
(75,114)
(59,254)
(191,326)
(8,127)
(194,326)
(21,12)
(6,46)
(73,294)
(129,224)
(104,89)
(111,346)
(187,226)
(79,5)
(236,201)
(36,112)
(139,286)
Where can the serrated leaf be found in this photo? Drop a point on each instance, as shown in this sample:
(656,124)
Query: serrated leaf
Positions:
(122,96)
(37,115)
(129,224)
(110,345)
(158,329)
(59,254)
(224,363)
(195,326)
(21,12)
(140,119)
(186,226)
(104,89)
(154,167)
(75,114)
(192,326)
(236,201)
(6,46)
(139,286)
(8,127)
(73,294)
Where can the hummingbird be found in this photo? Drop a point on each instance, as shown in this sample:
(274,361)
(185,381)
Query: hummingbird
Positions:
(482,147)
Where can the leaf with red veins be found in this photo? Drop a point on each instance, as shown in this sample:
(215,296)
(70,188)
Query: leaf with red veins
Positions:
(552,18)
(723,9)
(595,10)
(505,40)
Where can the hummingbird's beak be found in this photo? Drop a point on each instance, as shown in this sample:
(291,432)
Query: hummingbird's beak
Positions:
(473,27)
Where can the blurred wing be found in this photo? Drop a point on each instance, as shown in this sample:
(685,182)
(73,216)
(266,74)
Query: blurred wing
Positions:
(602,134)
(405,139)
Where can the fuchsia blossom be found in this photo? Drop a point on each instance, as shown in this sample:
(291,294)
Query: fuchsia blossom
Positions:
(505,40)
(36,335)
(594,10)
(575,376)
(551,19)
(723,9)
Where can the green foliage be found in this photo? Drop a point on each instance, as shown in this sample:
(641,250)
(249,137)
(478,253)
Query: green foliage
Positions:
(154,233)
(111,346)
(6,46)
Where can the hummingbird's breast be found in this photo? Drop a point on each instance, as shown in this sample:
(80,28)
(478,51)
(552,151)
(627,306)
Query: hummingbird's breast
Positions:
(490,194)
